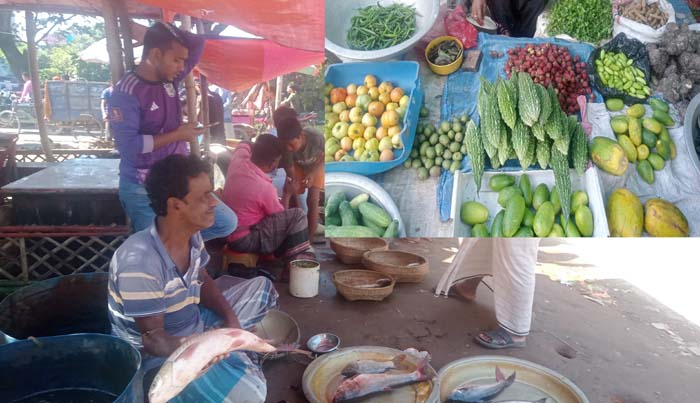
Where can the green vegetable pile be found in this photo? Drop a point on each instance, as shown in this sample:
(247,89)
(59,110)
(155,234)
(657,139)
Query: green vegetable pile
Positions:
(528,213)
(616,71)
(357,218)
(523,120)
(378,27)
(585,20)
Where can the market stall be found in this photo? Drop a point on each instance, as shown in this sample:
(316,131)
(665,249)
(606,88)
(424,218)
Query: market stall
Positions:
(645,173)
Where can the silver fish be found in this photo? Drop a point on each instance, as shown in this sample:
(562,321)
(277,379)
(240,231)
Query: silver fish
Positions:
(186,363)
(367,384)
(471,393)
(372,366)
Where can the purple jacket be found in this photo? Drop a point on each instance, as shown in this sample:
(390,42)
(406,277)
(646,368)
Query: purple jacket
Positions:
(140,109)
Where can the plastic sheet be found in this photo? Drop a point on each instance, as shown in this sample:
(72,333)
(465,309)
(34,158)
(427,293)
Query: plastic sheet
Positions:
(634,50)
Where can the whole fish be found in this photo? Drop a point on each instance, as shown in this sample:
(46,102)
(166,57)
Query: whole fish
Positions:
(367,384)
(471,393)
(186,363)
(372,366)
(543,400)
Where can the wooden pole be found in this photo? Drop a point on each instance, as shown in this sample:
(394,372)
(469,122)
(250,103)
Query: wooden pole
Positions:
(204,84)
(114,47)
(191,91)
(36,84)
(125,28)
(278,91)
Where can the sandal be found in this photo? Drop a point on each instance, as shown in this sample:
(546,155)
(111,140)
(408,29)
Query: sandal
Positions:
(498,339)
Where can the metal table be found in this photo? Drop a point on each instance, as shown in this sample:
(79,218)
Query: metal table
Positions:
(74,192)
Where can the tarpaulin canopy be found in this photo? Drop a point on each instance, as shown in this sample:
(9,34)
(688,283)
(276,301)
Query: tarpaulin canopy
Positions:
(296,24)
(237,64)
(88,7)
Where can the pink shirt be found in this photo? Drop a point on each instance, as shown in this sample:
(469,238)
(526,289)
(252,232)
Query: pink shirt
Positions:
(248,192)
(26,91)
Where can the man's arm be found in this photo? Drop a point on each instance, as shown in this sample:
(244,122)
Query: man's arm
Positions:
(156,341)
(312,200)
(195,46)
(212,298)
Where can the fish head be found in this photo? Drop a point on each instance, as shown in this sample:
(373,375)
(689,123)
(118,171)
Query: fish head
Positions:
(163,388)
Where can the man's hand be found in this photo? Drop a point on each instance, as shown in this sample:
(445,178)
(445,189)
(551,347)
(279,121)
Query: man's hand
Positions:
(189,131)
(478,10)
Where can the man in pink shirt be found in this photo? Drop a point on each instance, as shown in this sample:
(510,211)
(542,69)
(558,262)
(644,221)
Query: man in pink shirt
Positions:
(264,224)
(27,89)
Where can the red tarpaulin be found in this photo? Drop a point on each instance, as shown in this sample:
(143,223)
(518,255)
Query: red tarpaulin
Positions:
(237,64)
(296,24)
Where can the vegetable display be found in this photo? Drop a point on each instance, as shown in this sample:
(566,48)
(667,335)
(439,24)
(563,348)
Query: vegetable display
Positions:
(643,13)
(363,122)
(359,217)
(541,132)
(616,71)
(585,20)
(550,64)
(529,213)
(379,27)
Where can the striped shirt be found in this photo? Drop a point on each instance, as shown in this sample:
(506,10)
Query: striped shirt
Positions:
(144,281)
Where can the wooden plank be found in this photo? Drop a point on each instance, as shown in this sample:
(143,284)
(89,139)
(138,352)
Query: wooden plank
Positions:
(191,92)
(36,83)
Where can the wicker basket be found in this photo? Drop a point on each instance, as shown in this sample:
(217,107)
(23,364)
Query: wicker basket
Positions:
(350,250)
(403,266)
(347,281)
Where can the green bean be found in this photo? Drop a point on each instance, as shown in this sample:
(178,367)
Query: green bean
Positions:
(378,27)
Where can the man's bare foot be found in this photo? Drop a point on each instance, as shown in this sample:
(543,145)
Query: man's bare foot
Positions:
(467,288)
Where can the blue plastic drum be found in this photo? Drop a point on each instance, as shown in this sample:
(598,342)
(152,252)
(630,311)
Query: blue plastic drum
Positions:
(78,368)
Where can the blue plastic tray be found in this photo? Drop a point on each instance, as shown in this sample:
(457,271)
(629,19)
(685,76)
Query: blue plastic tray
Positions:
(403,74)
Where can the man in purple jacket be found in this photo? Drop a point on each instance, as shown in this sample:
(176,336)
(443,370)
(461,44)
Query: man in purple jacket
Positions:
(146,121)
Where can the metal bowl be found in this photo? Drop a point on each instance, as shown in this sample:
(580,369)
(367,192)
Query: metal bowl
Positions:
(323,343)
(690,128)
(279,327)
(354,185)
(338,23)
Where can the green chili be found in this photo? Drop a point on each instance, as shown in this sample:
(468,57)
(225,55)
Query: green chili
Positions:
(379,27)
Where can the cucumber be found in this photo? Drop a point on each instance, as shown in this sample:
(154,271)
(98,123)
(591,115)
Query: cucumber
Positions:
(513,217)
(355,231)
(500,181)
(333,220)
(506,194)
(544,219)
(333,203)
(392,231)
(355,202)
(347,217)
(497,225)
(374,213)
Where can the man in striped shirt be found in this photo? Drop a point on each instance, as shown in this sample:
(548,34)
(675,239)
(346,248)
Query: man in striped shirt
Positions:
(160,292)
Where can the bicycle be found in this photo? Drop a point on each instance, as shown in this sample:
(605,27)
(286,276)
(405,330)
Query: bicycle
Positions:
(19,114)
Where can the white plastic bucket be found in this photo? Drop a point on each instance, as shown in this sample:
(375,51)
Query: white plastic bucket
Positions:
(304,278)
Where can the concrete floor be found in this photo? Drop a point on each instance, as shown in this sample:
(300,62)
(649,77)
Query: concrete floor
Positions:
(613,340)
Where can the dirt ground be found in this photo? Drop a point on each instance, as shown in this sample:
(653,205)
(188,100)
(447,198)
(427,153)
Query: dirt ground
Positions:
(614,341)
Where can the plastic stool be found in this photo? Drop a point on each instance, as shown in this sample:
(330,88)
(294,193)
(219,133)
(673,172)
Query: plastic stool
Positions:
(229,256)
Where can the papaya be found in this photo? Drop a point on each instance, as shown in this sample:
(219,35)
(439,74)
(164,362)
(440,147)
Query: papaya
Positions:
(652,125)
(557,231)
(526,189)
(524,232)
(497,225)
(636,111)
(648,138)
(584,221)
(528,218)
(663,149)
(506,194)
(663,219)
(540,196)
(658,105)
(513,217)
(619,124)
(614,104)
(664,136)
(480,231)
(500,181)
(578,199)
(642,152)
(635,131)
(472,213)
(646,171)
(664,118)
(625,214)
(674,152)
(656,161)
(608,156)
(628,146)
(544,219)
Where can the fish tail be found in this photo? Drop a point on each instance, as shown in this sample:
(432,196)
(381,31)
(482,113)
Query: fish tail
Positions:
(510,379)
(399,360)
(499,374)
(422,369)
